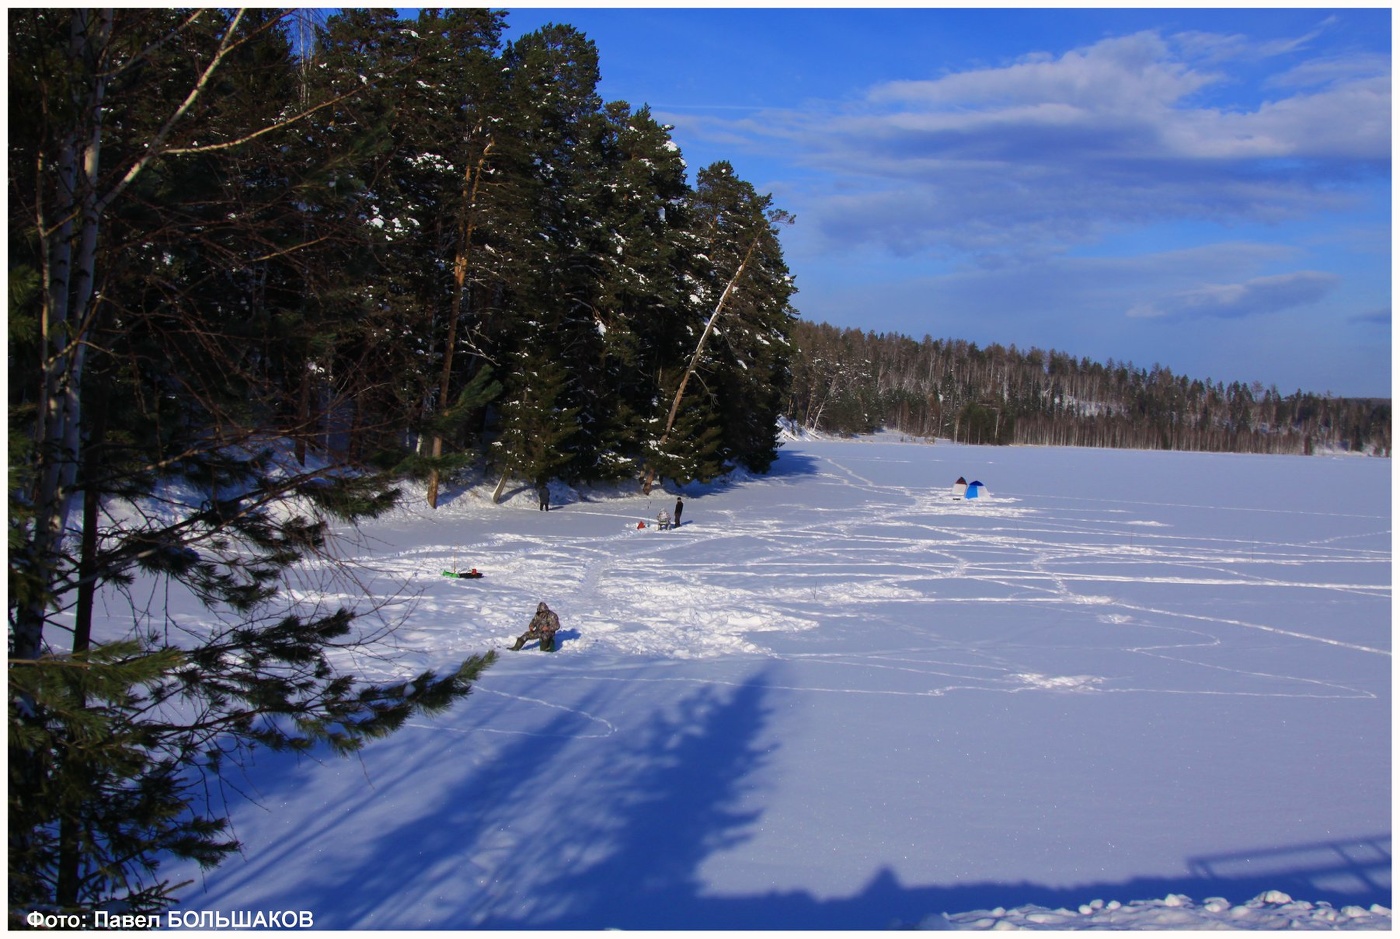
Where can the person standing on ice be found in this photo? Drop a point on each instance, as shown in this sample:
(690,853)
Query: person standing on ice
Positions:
(542,490)
(542,627)
(676,517)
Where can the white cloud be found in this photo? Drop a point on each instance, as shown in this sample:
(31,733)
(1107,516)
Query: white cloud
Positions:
(1125,99)
(1114,75)
(1053,151)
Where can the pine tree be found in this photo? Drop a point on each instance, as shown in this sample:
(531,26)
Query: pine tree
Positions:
(548,150)
(165,257)
(449,114)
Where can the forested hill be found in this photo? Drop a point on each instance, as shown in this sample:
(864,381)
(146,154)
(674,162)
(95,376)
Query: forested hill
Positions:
(848,381)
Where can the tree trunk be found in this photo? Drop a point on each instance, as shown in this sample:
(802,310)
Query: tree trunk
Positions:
(70,263)
(303,423)
(87,559)
(695,359)
(70,306)
(466,224)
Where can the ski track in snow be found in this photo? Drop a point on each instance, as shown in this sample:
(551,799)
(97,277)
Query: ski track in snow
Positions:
(607,731)
(831,568)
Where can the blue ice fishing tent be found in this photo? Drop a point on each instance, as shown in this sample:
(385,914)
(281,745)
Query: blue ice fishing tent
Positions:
(974,490)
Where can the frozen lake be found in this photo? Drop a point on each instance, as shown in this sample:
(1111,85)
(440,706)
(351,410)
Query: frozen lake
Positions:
(837,698)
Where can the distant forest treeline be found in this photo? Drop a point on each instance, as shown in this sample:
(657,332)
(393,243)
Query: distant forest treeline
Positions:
(847,381)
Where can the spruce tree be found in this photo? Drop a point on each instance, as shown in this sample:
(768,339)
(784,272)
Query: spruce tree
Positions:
(549,150)
(538,430)
(740,358)
(641,310)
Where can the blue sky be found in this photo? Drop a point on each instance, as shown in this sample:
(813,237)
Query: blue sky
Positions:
(1208,190)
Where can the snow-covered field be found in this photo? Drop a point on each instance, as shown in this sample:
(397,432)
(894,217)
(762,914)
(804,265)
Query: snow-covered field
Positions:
(1125,690)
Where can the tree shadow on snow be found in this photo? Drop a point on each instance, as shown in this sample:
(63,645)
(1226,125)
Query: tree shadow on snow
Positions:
(788,464)
(885,903)
(793,464)
(474,849)
(635,843)
(1343,872)
(691,789)
(524,840)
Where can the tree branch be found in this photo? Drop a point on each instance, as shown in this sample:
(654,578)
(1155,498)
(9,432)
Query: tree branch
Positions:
(229,144)
(155,147)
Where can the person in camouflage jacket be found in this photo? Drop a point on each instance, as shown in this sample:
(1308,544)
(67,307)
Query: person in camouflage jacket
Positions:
(542,627)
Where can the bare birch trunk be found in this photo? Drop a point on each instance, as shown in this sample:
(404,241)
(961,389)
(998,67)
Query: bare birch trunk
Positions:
(69,307)
(70,262)
(501,486)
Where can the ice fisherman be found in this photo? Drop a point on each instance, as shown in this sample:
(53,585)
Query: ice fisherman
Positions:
(542,490)
(676,516)
(542,627)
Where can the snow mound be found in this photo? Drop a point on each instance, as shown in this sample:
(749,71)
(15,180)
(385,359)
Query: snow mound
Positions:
(792,430)
(1273,909)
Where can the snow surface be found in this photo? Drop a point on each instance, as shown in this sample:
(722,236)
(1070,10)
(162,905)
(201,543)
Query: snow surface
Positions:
(836,698)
